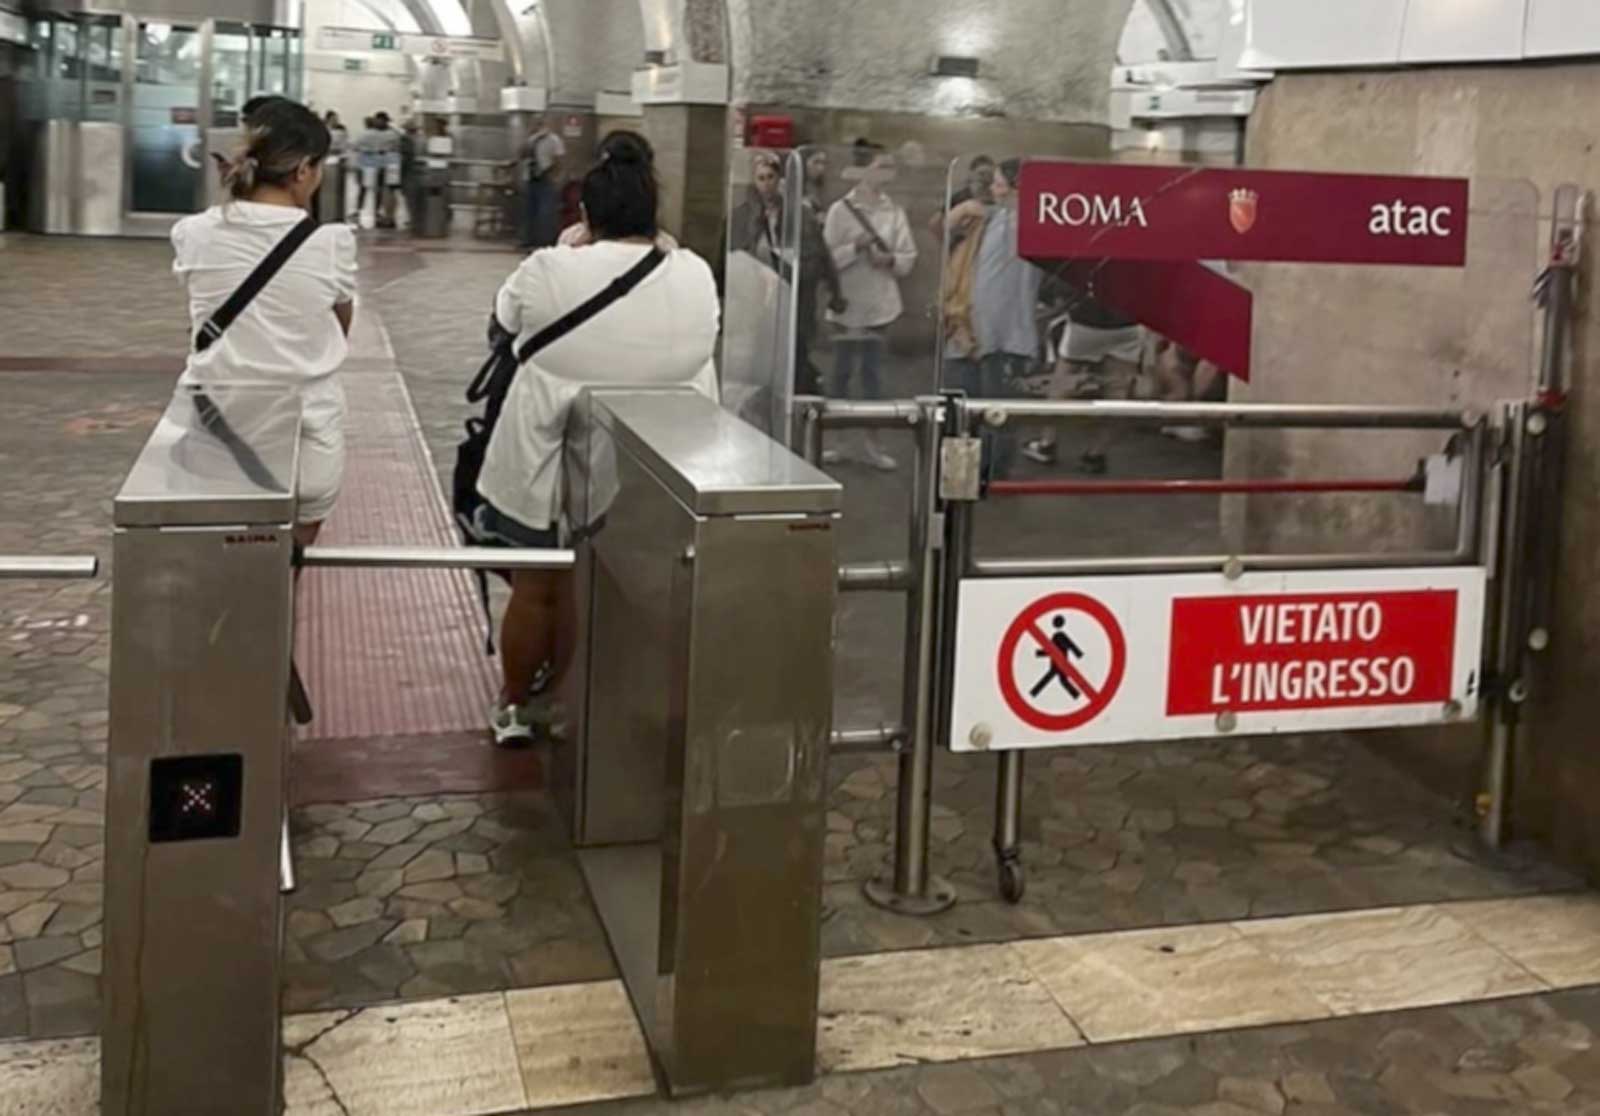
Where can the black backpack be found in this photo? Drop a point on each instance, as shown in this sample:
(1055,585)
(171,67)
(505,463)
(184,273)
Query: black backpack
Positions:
(491,386)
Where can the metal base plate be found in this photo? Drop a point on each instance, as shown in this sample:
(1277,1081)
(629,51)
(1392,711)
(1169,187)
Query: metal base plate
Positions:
(941,896)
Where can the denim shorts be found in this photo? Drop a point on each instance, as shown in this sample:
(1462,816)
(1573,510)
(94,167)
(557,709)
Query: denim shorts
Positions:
(495,527)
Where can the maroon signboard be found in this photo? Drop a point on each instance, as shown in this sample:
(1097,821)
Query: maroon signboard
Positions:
(1132,212)
(1207,313)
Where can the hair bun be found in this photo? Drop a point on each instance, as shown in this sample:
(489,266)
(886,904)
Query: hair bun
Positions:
(627,150)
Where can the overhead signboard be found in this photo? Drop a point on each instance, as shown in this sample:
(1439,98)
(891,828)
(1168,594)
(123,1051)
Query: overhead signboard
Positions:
(1070,210)
(1047,663)
(357,41)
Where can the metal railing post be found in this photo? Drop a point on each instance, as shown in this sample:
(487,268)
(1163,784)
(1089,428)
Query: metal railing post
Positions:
(1531,515)
(912,889)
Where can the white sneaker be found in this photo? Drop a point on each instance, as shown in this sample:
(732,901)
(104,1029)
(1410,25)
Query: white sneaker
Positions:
(512,726)
(880,460)
(832,457)
(1186,433)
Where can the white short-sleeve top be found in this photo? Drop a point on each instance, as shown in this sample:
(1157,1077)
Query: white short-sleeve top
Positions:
(664,332)
(288,334)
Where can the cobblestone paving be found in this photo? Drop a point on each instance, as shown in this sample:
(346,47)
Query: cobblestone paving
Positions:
(1147,835)
(415,898)
(68,442)
(1508,1058)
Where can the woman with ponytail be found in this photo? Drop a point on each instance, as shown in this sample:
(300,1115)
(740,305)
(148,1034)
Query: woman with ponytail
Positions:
(293,332)
(662,331)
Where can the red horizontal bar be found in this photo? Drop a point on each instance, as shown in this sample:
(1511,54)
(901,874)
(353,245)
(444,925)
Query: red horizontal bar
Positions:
(1196,487)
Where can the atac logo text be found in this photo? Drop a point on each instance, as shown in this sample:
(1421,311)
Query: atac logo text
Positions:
(1077,210)
(1397,218)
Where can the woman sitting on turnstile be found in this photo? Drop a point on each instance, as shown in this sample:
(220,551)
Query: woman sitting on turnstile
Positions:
(292,330)
(658,326)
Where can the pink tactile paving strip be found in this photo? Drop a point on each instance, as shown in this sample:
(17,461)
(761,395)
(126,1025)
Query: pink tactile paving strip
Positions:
(389,655)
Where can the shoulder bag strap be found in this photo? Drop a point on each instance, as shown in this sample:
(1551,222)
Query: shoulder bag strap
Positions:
(877,238)
(270,265)
(574,318)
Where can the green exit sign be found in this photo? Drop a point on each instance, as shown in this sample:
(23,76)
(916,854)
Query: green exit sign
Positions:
(381,41)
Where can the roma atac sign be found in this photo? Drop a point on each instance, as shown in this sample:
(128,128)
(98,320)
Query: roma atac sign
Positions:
(1102,660)
(1124,212)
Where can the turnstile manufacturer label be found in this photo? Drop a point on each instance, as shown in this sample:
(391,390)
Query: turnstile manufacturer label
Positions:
(1046,663)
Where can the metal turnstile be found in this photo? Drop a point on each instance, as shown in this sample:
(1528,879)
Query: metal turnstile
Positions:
(701,705)
(700,711)
(196,862)
(200,643)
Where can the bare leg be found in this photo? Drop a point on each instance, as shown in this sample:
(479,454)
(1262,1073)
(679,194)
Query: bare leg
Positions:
(1120,378)
(528,635)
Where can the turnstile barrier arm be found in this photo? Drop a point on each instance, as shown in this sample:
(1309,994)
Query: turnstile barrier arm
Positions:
(435,557)
(67,568)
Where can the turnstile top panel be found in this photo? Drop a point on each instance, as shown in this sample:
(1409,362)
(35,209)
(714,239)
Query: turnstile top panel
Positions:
(713,462)
(219,456)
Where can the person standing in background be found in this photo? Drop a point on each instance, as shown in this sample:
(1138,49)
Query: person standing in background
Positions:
(543,155)
(337,133)
(757,223)
(870,239)
(386,143)
(980,177)
(411,170)
(816,269)
(1003,342)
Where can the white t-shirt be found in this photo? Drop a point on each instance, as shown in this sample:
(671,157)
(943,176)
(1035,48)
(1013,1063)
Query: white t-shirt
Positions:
(873,293)
(288,334)
(663,332)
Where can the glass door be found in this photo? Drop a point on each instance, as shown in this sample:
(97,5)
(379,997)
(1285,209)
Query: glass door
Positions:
(165,120)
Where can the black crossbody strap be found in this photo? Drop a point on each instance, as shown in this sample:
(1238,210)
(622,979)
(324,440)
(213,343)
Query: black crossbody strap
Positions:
(570,321)
(270,265)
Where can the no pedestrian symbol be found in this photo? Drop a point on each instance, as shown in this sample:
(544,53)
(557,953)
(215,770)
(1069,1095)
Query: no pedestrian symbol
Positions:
(1061,662)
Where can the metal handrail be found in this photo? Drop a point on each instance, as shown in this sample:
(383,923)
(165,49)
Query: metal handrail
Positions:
(1209,563)
(1204,487)
(1269,415)
(75,567)
(436,558)
(889,575)
(843,742)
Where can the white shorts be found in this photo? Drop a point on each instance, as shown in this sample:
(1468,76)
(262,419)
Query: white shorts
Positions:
(321,469)
(1088,345)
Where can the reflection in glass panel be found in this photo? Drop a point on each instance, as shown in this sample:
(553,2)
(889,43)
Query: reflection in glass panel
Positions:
(166,108)
(103,80)
(273,77)
(230,73)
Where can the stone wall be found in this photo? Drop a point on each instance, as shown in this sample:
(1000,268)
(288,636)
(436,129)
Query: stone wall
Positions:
(1373,336)
(1039,59)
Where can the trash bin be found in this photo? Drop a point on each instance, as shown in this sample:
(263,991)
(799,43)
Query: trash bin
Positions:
(330,196)
(433,220)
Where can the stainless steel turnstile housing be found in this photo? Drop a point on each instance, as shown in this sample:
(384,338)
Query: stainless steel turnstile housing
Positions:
(702,704)
(200,650)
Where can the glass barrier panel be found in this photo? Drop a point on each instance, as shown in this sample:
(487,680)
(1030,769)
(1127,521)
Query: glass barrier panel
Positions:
(1080,329)
(759,262)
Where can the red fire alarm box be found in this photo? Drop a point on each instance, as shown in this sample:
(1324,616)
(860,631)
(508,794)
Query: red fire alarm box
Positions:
(772,131)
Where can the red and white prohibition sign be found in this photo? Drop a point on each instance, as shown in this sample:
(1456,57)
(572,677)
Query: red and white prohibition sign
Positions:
(1061,662)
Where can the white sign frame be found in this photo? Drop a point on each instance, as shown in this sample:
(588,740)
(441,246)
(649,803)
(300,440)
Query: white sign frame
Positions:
(1142,605)
(355,41)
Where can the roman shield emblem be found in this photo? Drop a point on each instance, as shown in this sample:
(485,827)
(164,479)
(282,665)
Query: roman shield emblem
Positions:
(1242,210)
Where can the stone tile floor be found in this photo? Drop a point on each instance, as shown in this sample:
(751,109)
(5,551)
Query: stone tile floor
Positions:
(422,897)
(1514,1057)
(410,898)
